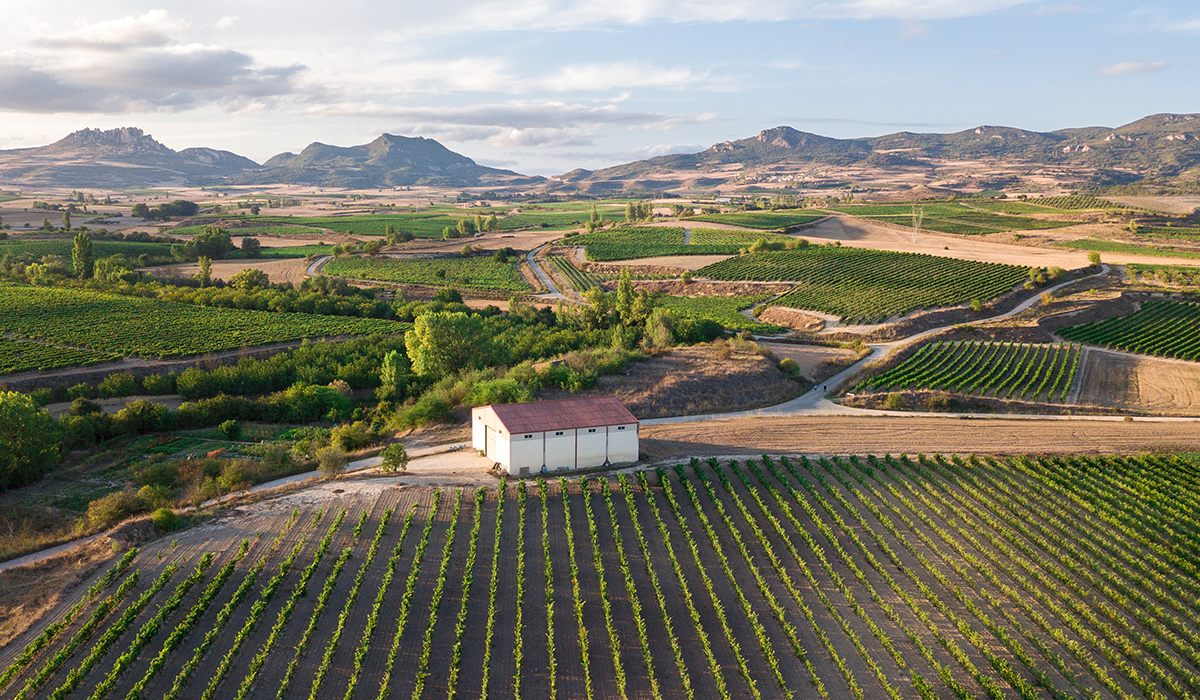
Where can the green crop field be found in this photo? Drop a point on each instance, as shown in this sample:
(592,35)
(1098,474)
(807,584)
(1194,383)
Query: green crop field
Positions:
(151,328)
(723,310)
(869,285)
(466,273)
(421,225)
(733,240)
(295,251)
(1012,207)
(774,577)
(949,217)
(1161,328)
(1184,233)
(1104,246)
(27,355)
(1001,370)
(766,220)
(1168,274)
(1074,202)
(580,280)
(628,243)
(264,230)
(100,249)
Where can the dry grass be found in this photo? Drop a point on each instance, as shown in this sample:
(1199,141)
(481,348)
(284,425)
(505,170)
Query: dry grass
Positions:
(29,592)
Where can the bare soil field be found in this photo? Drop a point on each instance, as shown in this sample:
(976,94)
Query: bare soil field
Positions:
(897,435)
(693,380)
(772,576)
(1169,204)
(289,270)
(792,318)
(675,262)
(815,362)
(1146,384)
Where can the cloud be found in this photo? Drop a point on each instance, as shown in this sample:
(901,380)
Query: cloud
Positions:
(1044,11)
(136,64)
(226,22)
(914,30)
(1132,68)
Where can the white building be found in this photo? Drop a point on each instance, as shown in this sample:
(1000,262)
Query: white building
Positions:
(548,436)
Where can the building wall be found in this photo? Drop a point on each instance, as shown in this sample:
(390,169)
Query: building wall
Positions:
(525,452)
(623,445)
(558,450)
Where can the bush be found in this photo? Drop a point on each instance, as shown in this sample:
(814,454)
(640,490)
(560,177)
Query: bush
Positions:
(79,391)
(395,458)
(689,331)
(428,409)
(142,416)
(495,391)
(789,367)
(29,441)
(119,384)
(1094,257)
(159,384)
(166,520)
(85,407)
(231,429)
(350,437)
(331,461)
(895,402)
(103,513)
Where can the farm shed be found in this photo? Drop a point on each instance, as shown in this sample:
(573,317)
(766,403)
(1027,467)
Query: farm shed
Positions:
(548,436)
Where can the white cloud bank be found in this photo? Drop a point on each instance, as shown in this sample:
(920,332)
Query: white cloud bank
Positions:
(1133,68)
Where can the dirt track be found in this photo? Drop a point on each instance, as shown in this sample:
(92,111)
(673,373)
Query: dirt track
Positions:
(888,435)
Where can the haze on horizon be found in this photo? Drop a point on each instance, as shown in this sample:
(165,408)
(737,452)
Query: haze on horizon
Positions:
(545,86)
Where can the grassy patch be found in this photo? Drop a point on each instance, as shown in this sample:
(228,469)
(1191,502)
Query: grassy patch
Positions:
(465,273)
(1131,248)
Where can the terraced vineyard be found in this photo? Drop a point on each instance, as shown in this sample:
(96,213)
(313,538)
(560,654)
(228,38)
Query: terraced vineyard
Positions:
(24,356)
(892,577)
(868,286)
(465,273)
(724,310)
(1160,328)
(580,280)
(766,220)
(949,217)
(124,325)
(1001,370)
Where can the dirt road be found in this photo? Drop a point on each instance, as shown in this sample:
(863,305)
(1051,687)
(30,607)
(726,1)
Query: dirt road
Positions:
(895,435)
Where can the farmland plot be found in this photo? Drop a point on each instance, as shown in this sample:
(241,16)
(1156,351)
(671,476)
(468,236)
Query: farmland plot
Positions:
(949,217)
(1160,328)
(835,577)
(466,273)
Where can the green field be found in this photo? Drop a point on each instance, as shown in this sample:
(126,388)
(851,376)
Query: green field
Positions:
(869,285)
(152,328)
(464,273)
(1075,202)
(100,249)
(1104,246)
(766,220)
(723,310)
(1168,274)
(1184,233)
(1160,328)
(580,280)
(265,230)
(295,251)
(949,217)
(1000,370)
(1012,207)
(628,243)
(421,225)
(25,356)
(733,240)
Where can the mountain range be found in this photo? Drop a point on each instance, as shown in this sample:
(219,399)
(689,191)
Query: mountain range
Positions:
(1162,149)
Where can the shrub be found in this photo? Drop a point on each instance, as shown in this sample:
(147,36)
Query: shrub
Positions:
(103,513)
(331,461)
(142,416)
(428,409)
(395,458)
(41,397)
(159,384)
(118,384)
(166,519)
(79,391)
(977,306)
(789,367)
(231,429)
(29,440)
(895,402)
(494,391)
(1094,257)
(350,437)
(85,407)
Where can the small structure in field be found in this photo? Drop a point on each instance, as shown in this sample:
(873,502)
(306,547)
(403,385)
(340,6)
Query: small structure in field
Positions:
(550,436)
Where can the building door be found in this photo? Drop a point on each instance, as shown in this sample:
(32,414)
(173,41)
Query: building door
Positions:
(489,443)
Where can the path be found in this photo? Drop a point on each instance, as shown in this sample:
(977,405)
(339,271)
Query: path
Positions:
(315,268)
(554,293)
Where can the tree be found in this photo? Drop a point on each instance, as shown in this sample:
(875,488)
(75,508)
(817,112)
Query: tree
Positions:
(205,273)
(252,247)
(389,234)
(395,458)
(466,228)
(625,297)
(443,342)
(630,213)
(141,211)
(250,279)
(372,248)
(29,440)
(1094,258)
(66,221)
(392,376)
(254,209)
(490,223)
(81,256)
(46,225)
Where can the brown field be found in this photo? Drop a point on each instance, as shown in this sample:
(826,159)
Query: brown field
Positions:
(1144,384)
(289,270)
(815,362)
(792,318)
(835,577)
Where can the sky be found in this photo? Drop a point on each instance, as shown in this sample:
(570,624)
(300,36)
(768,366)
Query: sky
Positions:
(546,86)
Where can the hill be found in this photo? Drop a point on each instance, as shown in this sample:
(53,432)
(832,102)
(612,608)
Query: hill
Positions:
(125,157)
(1151,150)
(388,161)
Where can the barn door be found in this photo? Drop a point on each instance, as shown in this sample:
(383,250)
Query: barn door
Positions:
(489,446)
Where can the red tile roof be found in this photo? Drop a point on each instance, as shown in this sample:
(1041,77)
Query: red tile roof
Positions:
(566,414)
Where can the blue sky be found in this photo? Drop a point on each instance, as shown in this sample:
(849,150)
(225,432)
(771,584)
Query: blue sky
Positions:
(544,86)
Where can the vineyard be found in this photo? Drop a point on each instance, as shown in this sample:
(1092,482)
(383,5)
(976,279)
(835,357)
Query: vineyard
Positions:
(1001,370)
(949,217)
(125,325)
(761,219)
(735,240)
(465,273)
(893,577)
(1167,274)
(724,310)
(100,249)
(25,356)
(1075,202)
(1130,248)
(264,230)
(580,280)
(869,286)
(1186,233)
(651,242)
(1160,328)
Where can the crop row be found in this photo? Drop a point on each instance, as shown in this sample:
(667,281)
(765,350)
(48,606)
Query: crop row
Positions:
(125,325)
(1002,370)
(1167,274)
(726,311)
(1161,328)
(466,273)
(580,280)
(25,356)
(761,219)
(869,285)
